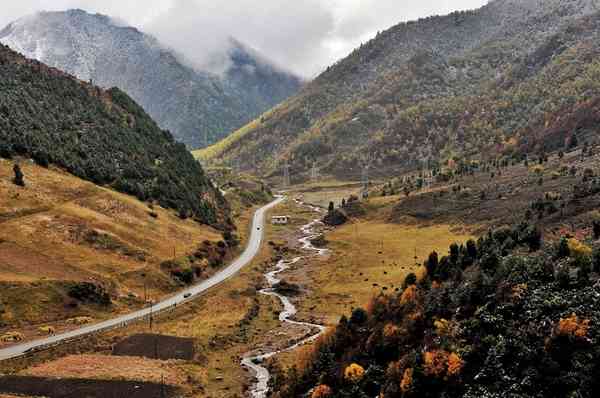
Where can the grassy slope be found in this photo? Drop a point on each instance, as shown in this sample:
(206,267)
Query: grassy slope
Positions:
(216,321)
(100,136)
(42,243)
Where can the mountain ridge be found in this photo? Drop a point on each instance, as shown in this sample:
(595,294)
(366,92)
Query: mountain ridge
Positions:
(197,106)
(378,106)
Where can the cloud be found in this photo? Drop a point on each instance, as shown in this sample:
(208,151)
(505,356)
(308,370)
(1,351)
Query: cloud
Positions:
(300,35)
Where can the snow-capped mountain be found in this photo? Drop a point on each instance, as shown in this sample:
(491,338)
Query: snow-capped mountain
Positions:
(197,107)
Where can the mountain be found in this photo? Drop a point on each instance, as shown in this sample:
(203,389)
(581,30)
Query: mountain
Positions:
(197,107)
(506,79)
(101,136)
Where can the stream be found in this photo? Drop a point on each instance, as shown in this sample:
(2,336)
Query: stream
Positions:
(261,386)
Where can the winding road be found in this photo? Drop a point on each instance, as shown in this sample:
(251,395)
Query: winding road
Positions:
(251,250)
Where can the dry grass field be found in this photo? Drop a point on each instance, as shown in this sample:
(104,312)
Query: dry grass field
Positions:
(105,367)
(368,257)
(45,231)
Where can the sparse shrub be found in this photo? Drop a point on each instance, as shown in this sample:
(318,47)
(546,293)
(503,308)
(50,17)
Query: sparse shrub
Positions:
(89,292)
(572,326)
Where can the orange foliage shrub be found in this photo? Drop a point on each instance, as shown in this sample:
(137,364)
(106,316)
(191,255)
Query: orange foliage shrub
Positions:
(435,363)
(354,373)
(322,391)
(518,291)
(441,363)
(407,381)
(573,327)
(409,295)
(455,364)
(391,331)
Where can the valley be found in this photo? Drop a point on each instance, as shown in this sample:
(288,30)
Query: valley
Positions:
(420,219)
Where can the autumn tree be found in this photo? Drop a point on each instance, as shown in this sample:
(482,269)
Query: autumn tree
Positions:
(354,373)
(322,391)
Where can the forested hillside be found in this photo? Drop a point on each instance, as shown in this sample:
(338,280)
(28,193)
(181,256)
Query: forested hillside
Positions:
(506,316)
(510,78)
(198,107)
(101,136)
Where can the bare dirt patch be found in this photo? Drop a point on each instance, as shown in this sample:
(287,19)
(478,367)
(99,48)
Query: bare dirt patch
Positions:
(78,388)
(156,346)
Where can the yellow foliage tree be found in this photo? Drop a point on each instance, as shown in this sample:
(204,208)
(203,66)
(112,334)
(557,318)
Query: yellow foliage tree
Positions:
(322,391)
(354,373)
(573,326)
(442,327)
(578,249)
(407,381)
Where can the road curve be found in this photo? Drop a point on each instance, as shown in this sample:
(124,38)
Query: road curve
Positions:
(245,258)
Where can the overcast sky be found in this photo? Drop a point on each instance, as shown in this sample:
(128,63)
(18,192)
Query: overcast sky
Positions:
(301,35)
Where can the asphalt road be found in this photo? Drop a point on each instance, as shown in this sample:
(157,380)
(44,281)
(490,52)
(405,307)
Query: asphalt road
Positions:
(246,257)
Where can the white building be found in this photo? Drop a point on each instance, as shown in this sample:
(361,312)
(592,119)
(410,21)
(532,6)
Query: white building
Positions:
(280,220)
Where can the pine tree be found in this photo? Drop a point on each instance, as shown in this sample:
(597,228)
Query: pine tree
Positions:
(19,177)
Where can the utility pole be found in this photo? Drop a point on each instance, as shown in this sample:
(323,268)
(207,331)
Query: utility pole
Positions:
(151,317)
(365,177)
(162,386)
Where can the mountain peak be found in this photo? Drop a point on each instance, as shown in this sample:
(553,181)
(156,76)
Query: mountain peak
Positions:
(197,106)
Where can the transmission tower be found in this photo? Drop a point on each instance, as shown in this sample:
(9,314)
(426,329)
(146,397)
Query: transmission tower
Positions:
(365,163)
(286,175)
(314,173)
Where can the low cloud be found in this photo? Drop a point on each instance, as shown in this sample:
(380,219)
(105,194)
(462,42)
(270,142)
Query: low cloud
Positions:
(304,36)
